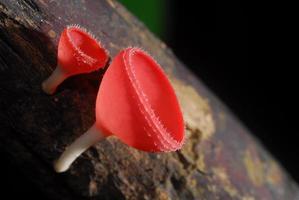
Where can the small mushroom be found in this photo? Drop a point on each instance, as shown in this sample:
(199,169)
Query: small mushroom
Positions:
(78,52)
(137,104)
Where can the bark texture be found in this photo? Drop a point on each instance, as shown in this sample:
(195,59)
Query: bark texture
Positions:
(220,159)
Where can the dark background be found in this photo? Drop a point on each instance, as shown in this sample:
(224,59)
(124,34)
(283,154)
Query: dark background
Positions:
(212,39)
(251,80)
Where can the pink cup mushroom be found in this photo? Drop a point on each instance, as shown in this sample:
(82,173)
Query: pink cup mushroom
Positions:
(137,104)
(78,52)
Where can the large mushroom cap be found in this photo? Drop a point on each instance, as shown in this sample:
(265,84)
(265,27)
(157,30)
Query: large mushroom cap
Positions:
(79,51)
(137,103)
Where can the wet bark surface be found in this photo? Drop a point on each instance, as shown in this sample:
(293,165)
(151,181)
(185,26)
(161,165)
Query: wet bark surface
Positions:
(220,159)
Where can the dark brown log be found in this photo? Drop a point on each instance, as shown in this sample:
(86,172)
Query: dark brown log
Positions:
(220,160)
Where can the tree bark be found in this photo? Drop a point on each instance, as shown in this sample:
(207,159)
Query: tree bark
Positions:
(220,159)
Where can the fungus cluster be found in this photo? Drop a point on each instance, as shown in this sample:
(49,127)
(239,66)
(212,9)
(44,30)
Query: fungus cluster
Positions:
(135,101)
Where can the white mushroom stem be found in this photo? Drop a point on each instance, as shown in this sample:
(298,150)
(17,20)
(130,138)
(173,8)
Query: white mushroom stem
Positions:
(81,144)
(58,76)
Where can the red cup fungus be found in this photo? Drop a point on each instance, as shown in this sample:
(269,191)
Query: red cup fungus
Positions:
(137,104)
(78,52)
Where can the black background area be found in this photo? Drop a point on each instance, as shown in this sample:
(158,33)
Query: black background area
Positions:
(243,66)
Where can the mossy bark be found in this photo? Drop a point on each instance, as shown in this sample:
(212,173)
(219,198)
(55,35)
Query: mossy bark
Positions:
(220,159)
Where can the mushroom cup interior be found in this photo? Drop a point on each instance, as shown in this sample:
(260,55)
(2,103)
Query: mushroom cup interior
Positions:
(160,95)
(87,44)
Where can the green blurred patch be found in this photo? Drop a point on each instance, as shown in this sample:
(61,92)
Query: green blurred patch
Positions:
(150,12)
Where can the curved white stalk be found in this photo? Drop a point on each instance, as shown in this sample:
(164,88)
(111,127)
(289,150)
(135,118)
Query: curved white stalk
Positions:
(81,144)
(49,86)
